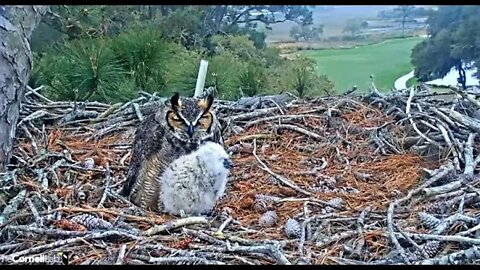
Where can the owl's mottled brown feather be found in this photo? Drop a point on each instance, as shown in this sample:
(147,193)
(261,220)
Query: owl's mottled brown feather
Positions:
(155,146)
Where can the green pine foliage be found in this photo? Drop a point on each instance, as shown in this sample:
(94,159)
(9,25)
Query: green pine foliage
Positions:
(253,79)
(143,54)
(79,70)
(115,68)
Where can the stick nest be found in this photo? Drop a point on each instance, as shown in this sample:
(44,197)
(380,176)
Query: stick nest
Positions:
(352,179)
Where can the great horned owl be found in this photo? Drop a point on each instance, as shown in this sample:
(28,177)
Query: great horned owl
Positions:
(193,183)
(176,129)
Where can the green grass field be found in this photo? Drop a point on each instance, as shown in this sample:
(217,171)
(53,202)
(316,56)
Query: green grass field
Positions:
(411,82)
(347,67)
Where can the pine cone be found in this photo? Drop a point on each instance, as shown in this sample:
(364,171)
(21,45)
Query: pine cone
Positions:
(431,248)
(338,202)
(292,228)
(234,149)
(91,222)
(239,148)
(89,163)
(329,183)
(437,207)
(262,201)
(272,180)
(268,219)
(321,189)
(260,205)
(348,190)
(428,220)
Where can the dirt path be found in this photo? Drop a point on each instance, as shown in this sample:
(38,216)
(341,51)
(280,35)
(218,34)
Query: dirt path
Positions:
(401,83)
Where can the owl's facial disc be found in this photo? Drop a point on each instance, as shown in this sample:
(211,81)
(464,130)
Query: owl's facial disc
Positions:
(190,120)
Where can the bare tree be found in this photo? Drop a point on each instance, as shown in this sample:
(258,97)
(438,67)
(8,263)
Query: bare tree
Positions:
(16,26)
(307,32)
(353,26)
(405,12)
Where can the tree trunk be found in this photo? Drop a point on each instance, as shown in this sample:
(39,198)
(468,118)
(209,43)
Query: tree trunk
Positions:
(462,78)
(217,13)
(219,18)
(16,26)
(151,12)
(164,10)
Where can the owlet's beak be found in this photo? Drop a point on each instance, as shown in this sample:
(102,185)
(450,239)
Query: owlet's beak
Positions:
(227,163)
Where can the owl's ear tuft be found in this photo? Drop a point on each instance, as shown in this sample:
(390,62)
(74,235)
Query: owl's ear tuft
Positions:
(175,101)
(206,103)
(210,99)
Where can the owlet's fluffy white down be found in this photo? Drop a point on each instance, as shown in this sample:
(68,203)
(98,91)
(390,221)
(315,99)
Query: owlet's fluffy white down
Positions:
(193,183)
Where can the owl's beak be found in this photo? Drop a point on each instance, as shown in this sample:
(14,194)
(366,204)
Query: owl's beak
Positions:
(190,130)
(227,163)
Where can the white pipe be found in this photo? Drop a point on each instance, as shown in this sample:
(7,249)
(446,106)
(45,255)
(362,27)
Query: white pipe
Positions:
(202,75)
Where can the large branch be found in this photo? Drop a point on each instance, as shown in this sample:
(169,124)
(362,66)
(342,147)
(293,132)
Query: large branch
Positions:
(265,21)
(241,15)
(55,21)
(259,18)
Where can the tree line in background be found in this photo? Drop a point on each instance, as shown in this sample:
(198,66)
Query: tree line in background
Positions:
(454,41)
(355,26)
(109,53)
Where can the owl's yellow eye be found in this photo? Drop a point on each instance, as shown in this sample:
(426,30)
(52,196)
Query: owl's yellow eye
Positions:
(205,121)
(173,120)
